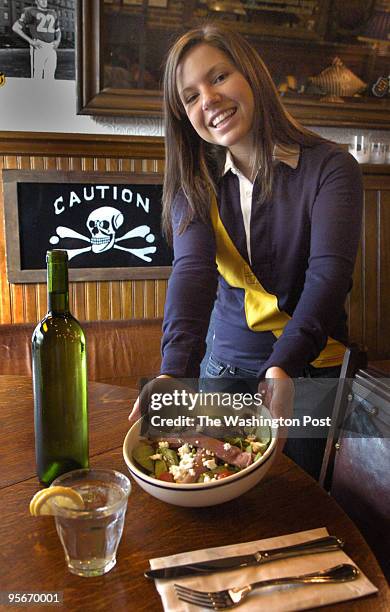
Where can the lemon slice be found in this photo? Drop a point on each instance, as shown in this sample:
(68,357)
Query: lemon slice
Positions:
(41,504)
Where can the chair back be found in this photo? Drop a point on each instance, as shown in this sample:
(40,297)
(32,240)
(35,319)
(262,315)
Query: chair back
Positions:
(118,352)
(360,476)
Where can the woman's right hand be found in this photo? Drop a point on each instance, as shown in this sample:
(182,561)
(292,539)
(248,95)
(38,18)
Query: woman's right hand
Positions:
(278,395)
(135,414)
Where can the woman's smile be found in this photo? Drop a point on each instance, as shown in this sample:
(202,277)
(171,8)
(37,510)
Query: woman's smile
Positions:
(222,118)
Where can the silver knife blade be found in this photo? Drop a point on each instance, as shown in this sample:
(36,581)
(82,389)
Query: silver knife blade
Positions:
(325,544)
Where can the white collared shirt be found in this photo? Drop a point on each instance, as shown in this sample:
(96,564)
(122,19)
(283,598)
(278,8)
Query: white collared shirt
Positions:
(246,189)
(286,154)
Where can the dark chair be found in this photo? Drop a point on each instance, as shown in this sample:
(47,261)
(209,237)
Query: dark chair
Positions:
(356,466)
(354,359)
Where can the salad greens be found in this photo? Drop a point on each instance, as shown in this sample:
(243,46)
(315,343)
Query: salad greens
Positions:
(194,457)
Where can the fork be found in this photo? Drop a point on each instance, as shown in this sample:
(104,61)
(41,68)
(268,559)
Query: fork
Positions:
(229,598)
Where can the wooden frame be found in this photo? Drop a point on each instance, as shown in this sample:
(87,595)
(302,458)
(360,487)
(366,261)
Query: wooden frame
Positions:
(92,97)
(115,190)
(96,99)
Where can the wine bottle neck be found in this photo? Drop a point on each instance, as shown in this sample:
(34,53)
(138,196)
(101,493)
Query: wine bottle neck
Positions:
(58,302)
(57,287)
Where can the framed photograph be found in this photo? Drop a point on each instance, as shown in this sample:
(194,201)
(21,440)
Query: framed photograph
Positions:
(53,26)
(122,44)
(109,223)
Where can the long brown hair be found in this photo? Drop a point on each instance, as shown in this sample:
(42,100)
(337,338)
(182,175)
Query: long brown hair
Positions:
(192,164)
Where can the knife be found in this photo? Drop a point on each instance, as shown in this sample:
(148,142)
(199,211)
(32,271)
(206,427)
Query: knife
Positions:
(325,544)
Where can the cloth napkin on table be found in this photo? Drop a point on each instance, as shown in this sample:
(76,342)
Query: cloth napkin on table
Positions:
(297,598)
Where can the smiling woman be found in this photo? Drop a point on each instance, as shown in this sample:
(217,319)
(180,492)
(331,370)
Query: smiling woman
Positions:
(264,217)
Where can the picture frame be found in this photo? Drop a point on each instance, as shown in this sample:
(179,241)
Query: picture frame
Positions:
(93,96)
(127,81)
(109,223)
(100,93)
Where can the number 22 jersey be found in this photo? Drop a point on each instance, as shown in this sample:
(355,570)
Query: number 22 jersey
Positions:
(42,24)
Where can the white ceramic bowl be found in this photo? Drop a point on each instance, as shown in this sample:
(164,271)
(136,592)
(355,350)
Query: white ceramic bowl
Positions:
(198,494)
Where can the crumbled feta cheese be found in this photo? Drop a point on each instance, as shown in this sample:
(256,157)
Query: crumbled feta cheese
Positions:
(163,444)
(176,472)
(185,467)
(206,478)
(227,446)
(183,450)
(210,464)
(187,462)
(156,456)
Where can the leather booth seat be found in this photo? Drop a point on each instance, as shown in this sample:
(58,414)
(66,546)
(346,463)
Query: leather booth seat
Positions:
(119,352)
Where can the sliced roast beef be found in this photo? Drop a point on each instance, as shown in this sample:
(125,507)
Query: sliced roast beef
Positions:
(232,455)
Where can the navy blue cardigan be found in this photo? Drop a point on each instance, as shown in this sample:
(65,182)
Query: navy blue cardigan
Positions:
(304,241)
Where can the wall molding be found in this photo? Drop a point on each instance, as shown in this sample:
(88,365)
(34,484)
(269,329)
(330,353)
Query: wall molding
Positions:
(81,145)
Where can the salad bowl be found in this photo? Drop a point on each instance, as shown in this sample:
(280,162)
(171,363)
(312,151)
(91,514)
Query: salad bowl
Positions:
(198,494)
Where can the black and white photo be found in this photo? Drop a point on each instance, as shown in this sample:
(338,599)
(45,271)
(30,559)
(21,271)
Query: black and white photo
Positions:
(37,39)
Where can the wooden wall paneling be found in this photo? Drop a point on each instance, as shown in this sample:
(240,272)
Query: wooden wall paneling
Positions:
(161,291)
(112,165)
(127,298)
(30,303)
(76,164)
(370,250)
(36,163)
(77,300)
(160,166)
(103,301)
(5,300)
(87,164)
(138,299)
(125,165)
(25,162)
(149,299)
(91,299)
(82,145)
(50,163)
(99,164)
(355,302)
(41,301)
(17,304)
(384,276)
(62,164)
(115,300)
(138,165)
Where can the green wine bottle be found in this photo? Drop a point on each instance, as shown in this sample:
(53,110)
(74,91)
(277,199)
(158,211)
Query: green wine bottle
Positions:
(59,380)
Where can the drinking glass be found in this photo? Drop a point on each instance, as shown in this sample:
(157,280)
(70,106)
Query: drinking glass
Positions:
(90,536)
(360,148)
(378,152)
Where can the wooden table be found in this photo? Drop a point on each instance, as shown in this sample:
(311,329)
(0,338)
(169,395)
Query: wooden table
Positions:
(32,560)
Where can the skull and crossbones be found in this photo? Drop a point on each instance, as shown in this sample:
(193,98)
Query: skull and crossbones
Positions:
(102,225)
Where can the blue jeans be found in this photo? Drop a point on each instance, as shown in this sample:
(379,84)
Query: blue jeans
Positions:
(315,393)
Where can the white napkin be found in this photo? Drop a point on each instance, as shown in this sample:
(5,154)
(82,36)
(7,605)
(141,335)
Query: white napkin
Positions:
(297,598)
